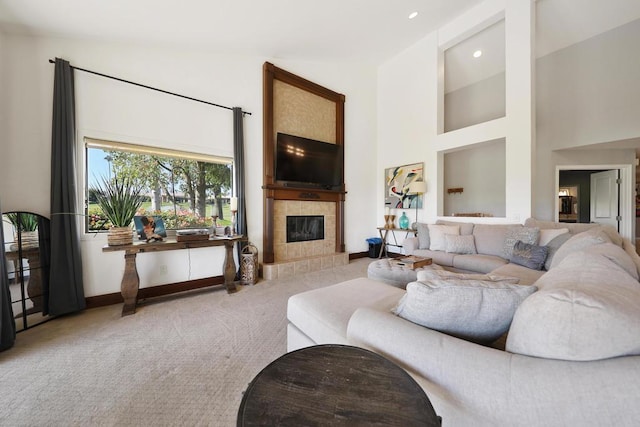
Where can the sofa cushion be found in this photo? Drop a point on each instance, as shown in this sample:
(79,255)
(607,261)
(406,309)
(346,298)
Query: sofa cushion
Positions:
(530,256)
(529,235)
(611,233)
(423,236)
(435,274)
(466,228)
(548,234)
(617,255)
(475,310)
(436,235)
(526,275)
(553,246)
(384,270)
(437,257)
(587,308)
(579,242)
(323,314)
(490,238)
(478,262)
(574,228)
(632,251)
(460,244)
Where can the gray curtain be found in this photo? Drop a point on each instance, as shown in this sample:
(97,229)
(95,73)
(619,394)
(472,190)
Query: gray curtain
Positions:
(7,322)
(66,290)
(238,158)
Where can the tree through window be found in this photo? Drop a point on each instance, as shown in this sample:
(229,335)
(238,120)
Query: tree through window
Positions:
(186,189)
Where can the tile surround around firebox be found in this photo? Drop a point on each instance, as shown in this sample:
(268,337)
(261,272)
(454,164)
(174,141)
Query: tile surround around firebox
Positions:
(279,270)
(294,251)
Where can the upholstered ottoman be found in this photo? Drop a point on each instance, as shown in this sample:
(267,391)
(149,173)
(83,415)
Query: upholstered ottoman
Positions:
(383,270)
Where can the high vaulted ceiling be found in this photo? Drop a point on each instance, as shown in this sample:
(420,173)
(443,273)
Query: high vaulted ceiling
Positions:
(359,30)
(369,30)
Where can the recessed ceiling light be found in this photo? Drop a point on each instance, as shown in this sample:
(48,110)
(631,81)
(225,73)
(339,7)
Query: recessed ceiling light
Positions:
(477,54)
(413,15)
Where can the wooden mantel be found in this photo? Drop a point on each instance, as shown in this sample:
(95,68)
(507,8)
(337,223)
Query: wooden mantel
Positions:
(274,190)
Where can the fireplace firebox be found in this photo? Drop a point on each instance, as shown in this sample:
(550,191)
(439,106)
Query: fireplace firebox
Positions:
(303,228)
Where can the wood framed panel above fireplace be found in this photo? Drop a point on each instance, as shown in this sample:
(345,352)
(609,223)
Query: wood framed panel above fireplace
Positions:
(297,106)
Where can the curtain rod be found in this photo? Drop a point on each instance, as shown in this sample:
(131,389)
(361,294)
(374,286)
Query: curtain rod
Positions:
(51,61)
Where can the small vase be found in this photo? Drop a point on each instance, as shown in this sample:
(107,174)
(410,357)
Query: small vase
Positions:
(404,221)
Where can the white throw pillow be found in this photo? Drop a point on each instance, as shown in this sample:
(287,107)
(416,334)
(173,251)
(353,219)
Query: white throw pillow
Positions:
(460,244)
(476,310)
(548,234)
(423,236)
(437,233)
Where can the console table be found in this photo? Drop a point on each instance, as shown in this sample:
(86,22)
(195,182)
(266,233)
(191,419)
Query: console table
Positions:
(131,280)
(384,233)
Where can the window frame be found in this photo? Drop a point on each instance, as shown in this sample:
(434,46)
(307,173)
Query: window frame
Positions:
(88,142)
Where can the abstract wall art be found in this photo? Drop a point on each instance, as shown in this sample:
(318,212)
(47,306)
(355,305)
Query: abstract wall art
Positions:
(397,180)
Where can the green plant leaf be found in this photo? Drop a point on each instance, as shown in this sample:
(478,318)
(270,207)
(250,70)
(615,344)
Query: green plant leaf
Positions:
(119,200)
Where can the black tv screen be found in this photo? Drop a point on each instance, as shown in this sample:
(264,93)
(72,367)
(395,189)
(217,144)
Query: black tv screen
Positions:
(307,161)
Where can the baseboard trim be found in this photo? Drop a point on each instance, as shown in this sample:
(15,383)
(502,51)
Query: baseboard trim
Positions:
(155,291)
(357,255)
(189,285)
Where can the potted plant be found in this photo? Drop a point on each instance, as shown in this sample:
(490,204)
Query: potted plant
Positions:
(119,200)
(26,225)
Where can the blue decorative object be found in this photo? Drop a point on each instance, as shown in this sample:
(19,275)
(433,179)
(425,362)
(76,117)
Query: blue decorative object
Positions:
(404,221)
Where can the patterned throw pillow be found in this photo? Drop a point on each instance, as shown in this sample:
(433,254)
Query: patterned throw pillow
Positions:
(460,244)
(530,256)
(529,235)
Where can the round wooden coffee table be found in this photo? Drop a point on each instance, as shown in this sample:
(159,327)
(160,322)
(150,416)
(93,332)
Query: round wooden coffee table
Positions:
(335,385)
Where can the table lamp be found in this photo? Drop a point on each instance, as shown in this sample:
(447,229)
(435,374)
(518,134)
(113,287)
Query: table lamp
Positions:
(417,188)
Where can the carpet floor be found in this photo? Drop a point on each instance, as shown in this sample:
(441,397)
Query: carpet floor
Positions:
(183,359)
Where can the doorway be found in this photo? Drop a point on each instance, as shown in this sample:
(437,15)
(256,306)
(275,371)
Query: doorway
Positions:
(588,208)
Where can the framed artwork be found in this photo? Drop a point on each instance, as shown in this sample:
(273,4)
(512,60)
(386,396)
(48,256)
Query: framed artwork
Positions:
(150,227)
(396,187)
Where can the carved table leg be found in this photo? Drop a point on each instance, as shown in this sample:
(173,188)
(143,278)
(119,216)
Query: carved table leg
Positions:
(229,268)
(130,284)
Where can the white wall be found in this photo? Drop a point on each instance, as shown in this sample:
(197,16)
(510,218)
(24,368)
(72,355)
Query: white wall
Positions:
(410,108)
(588,93)
(407,118)
(475,103)
(462,169)
(128,113)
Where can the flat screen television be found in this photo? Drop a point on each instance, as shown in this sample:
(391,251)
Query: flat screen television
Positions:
(307,162)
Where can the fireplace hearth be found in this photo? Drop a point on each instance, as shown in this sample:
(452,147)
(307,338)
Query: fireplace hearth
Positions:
(304,228)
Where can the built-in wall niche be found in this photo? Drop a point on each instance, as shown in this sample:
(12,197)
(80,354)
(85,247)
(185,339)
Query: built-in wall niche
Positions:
(479,170)
(474,78)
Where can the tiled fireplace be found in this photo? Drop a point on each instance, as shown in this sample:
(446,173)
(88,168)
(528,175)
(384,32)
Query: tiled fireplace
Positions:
(312,253)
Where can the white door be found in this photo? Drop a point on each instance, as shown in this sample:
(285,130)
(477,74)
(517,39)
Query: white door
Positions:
(604,198)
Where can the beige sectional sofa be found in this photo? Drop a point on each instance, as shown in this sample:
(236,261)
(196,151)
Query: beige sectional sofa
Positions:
(572,352)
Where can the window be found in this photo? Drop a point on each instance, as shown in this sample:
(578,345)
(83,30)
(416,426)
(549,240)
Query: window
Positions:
(185,188)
